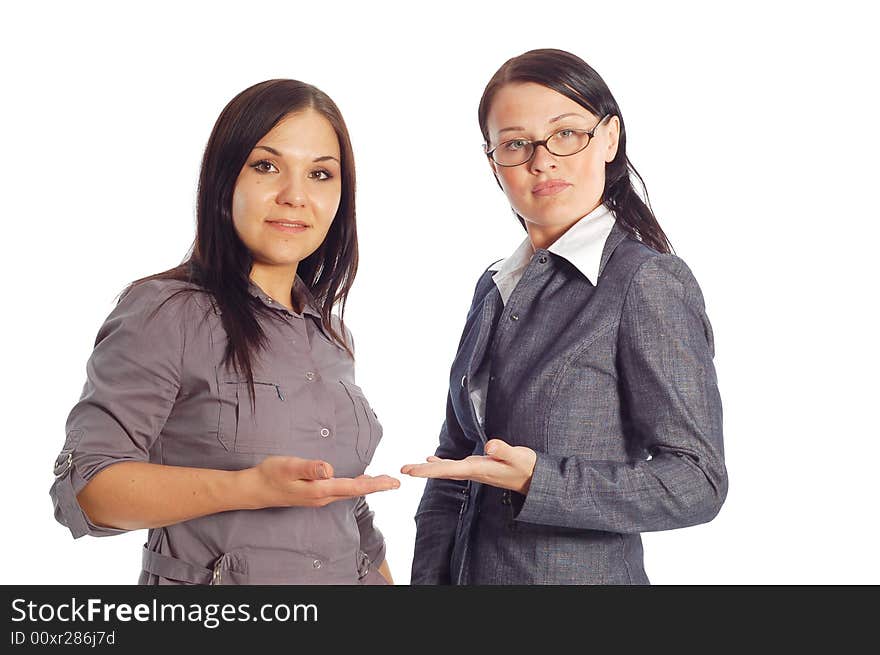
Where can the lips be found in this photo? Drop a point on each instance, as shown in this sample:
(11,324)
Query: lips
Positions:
(550,187)
(293,226)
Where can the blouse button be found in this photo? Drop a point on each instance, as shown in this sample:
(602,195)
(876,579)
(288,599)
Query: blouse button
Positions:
(317,563)
(310,376)
(325,432)
(543,259)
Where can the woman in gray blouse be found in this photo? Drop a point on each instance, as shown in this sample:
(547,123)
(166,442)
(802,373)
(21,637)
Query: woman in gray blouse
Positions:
(583,407)
(220,408)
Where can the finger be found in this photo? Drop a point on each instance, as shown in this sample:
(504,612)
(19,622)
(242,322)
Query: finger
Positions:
(308,469)
(406,467)
(353,487)
(447,469)
(498,449)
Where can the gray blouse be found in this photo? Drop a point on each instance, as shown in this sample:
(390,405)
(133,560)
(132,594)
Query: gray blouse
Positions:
(157,391)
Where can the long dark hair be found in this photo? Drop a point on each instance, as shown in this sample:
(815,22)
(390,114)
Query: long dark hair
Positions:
(571,76)
(220,264)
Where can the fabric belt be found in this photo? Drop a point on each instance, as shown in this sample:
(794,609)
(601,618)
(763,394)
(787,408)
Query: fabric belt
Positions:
(228,569)
(176,569)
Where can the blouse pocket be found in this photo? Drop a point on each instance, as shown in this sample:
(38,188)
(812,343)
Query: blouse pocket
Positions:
(369,430)
(264,427)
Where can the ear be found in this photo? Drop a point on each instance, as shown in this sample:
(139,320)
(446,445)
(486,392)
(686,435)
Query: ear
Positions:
(613,129)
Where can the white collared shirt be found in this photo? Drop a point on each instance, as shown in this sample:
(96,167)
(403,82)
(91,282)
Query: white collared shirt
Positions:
(581,245)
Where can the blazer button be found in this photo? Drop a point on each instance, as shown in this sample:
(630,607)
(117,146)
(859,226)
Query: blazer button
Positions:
(543,259)
(505,498)
(514,317)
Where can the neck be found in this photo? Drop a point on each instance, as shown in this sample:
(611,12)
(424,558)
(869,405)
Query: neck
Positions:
(276,281)
(544,236)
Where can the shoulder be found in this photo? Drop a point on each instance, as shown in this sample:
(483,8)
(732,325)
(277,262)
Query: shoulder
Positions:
(154,295)
(662,280)
(159,305)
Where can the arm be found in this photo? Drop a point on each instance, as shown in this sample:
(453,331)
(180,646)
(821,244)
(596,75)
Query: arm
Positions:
(135,495)
(104,482)
(132,380)
(671,407)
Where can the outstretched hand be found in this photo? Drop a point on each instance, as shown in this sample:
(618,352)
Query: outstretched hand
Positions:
(503,465)
(280,481)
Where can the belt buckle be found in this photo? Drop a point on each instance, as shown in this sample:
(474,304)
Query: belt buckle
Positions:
(63,467)
(363,565)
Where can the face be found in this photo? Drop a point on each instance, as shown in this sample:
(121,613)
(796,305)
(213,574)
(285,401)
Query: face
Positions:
(550,192)
(288,191)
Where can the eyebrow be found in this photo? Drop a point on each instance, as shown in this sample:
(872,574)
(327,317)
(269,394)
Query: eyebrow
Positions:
(278,154)
(552,120)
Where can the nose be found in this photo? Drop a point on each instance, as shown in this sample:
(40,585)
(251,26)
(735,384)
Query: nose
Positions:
(291,193)
(542,160)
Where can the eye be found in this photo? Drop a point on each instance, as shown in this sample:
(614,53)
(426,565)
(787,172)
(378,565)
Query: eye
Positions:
(320,174)
(516,144)
(264,166)
(565,134)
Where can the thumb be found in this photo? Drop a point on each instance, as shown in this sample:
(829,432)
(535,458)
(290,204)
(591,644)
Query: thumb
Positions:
(309,469)
(498,449)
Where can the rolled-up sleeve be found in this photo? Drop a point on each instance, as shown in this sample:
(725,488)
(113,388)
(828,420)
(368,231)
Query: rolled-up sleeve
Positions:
(132,380)
(671,407)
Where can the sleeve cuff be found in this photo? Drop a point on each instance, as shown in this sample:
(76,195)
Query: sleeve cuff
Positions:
(67,509)
(538,495)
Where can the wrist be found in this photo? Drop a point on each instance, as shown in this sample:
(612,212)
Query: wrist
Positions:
(246,490)
(524,488)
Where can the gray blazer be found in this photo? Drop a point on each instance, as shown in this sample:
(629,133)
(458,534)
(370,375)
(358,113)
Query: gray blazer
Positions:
(613,386)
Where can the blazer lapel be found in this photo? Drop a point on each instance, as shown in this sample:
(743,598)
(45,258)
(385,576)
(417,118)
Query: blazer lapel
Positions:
(491,306)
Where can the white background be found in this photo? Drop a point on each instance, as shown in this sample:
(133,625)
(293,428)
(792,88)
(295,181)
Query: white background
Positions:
(755,128)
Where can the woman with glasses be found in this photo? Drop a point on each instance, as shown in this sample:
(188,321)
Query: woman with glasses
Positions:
(583,407)
(220,410)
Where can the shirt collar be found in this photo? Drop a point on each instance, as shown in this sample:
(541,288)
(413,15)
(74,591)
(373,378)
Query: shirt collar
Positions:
(300,292)
(581,245)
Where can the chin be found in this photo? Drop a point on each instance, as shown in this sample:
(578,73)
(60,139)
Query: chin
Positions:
(283,258)
(554,216)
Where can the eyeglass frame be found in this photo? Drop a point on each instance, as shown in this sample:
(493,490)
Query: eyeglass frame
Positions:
(543,142)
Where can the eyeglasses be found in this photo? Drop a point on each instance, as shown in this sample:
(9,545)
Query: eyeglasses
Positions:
(564,143)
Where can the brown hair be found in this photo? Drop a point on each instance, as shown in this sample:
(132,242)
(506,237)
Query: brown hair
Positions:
(220,263)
